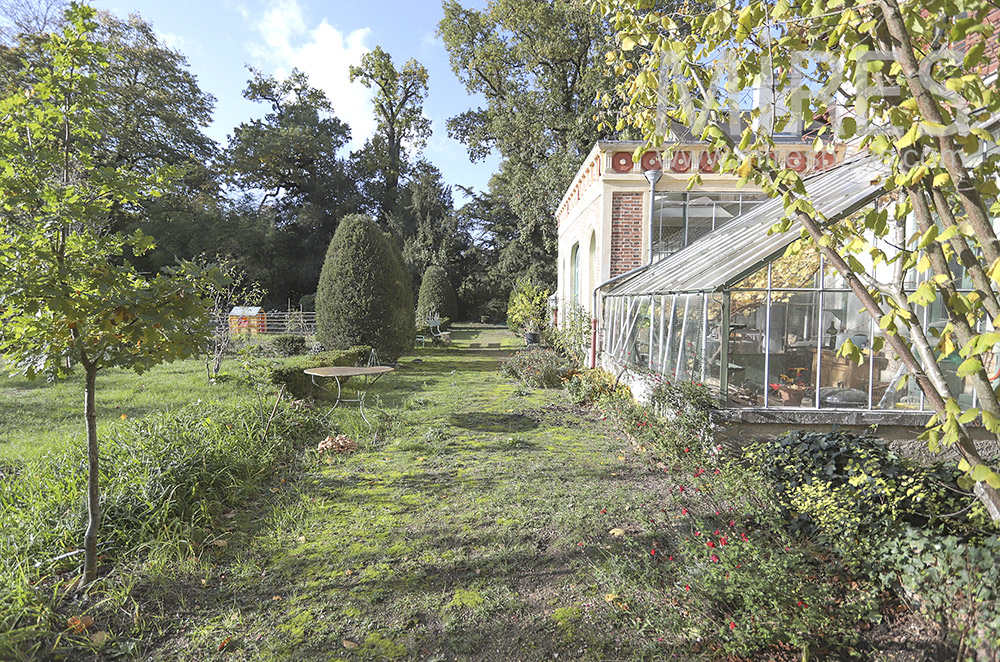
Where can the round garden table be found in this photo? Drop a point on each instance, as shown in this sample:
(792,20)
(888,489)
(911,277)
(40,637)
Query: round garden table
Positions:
(370,373)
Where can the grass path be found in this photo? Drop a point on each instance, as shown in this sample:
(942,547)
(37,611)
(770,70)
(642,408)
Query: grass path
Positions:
(479,530)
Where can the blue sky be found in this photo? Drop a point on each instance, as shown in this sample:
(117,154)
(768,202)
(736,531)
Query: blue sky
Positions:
(220,37)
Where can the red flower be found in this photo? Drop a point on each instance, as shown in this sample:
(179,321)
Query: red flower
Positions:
(802,604)
(652,552)
(687,587)
(722,540)
(732,625)
(697,533)
(687,450)
(604,510)
(684,511)
(713,558)
(732,522)
(710,544)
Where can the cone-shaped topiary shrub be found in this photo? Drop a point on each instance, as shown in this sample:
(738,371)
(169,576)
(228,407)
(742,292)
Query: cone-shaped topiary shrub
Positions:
(365,296)
(437,296)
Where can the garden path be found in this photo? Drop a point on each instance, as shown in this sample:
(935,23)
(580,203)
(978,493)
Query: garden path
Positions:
(480,529)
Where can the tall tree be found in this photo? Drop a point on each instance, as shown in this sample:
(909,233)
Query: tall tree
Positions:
(539,65)
(919,100)
(28,17)
(66,291)
(401,125)
(426,221)
(289,160)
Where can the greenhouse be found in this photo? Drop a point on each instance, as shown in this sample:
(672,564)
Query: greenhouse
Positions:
(733,298)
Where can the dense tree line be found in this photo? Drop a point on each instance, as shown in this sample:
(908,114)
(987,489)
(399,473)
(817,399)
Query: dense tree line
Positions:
(270,199)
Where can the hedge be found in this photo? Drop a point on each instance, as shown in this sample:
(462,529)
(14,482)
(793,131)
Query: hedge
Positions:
(290,371)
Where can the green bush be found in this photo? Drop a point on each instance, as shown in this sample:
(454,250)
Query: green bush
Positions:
(571,337)
(588,387)
(308,302)
(364,296)
(437,296)
(290,372)
(538,367)
(527,309)
(952,581)
(286,345)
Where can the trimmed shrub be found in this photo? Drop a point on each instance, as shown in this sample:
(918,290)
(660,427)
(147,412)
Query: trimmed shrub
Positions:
(437,296)
(308,302)
(365,296)
(286,345)
(297,383)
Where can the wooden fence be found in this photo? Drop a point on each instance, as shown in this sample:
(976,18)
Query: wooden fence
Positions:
(297,323)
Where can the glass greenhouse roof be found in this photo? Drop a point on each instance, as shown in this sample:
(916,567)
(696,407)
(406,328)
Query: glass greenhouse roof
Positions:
(728,254)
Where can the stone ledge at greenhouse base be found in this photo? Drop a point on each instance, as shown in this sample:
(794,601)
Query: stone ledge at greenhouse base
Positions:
(900,429)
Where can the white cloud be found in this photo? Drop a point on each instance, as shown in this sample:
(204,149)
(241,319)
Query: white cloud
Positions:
(324,53)
(172,41)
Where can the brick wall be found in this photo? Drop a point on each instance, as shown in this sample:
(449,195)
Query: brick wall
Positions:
(626,232)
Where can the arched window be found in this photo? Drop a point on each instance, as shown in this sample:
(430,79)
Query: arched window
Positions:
(574,274)
(592,282)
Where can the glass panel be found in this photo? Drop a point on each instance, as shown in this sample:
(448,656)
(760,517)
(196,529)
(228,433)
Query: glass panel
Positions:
(755,281)
(843,383)
(746,349)
(889,372)
(637,349)
(681,218)
(658,308)
(711,372)
(796,271)
(688,366)
(793,345)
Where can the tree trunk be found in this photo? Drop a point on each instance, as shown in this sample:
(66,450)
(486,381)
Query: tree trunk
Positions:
(93,502)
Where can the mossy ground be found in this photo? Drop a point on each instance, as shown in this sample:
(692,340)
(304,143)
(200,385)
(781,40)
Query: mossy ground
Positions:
(476,528)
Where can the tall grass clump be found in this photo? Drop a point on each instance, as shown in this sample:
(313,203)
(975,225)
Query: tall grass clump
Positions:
(166,481)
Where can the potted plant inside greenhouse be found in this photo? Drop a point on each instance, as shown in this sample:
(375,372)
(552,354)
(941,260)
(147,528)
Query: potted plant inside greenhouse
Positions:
(790,390)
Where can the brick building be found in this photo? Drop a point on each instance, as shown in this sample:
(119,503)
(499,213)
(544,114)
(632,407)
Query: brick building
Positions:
(608,225)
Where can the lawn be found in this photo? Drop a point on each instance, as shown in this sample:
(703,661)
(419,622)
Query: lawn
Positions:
(486,521)
(472,532)
(37,416)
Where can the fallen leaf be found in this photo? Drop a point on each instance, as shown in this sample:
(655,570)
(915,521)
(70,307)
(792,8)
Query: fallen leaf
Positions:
(350,644)
(610,597)
(617,533)
(79,623)
(277,597)
(225,642)
(221,542)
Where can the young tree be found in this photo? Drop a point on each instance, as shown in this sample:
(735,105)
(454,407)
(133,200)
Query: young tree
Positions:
(233,289)
(365,296)
(399,110)
(904,81)
(67,296)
